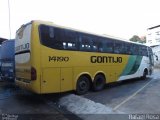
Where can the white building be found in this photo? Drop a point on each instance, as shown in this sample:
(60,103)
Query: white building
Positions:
(153,40)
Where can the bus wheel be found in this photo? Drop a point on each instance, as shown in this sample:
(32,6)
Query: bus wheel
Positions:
(144,74)
(99,82)
(83,85)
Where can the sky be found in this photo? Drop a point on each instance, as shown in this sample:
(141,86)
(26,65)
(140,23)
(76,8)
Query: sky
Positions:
(119,18)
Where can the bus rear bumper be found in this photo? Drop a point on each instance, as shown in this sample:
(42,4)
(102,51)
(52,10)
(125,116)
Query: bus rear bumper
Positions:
(26,86)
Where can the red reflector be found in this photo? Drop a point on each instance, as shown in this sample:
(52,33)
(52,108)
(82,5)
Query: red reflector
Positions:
(33,73)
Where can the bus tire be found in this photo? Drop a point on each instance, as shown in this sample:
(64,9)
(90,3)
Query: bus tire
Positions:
(99,82)
(83,85)
(145,72)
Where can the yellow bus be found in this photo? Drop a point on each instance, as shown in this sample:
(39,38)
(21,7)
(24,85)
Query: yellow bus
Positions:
(50,58)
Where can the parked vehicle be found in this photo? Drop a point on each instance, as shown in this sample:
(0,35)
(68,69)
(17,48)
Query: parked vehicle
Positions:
(7,60)
(0,62)
(51,59)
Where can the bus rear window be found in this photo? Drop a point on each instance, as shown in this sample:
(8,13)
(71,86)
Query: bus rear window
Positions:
(20,33)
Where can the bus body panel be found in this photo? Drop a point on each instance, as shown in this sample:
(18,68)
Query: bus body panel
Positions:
(56,80)
(58,59)
(66,79)
(36,57)
(51,80)
(136,68)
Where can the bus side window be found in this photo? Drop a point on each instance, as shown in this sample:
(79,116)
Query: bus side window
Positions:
(95,45)
(118,47)
(85,43)
(58,39)
(100,47)
(133,49)
(140,51)
(144,51)
(70,40)
(122,48)
(136,50)
(108,46)
(127,48)
(46,36)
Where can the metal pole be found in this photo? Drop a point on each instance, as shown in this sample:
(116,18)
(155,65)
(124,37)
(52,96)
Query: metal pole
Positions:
(9,19)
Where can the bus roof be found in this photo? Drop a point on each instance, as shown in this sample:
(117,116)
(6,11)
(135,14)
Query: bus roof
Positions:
(38,22)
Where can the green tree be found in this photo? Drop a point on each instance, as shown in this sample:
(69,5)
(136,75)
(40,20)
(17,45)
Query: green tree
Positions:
(135,38)
(143,39)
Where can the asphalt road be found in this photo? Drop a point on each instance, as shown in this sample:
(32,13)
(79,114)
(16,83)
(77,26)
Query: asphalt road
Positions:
(129,97)
(17,103)
(132,99)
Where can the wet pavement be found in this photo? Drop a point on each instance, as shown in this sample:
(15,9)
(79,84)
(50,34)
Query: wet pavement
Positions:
(131,96)
(121,99)
(132,99)
(17,102)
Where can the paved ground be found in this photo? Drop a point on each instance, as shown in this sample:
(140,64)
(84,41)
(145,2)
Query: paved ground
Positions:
(130,97)
(16,102)
(122,99)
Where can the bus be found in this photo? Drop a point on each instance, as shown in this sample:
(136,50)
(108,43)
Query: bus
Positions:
(50,59)
(8,60)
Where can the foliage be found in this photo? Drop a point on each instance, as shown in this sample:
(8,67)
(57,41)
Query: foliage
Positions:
(136,38)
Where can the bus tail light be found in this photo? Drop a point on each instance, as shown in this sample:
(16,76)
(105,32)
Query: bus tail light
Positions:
(33,73)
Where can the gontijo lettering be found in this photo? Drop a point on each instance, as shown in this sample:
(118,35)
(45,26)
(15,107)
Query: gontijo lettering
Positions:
(105,59)
(22,47)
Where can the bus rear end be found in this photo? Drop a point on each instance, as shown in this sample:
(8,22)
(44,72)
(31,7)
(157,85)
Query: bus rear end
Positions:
(25,65)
